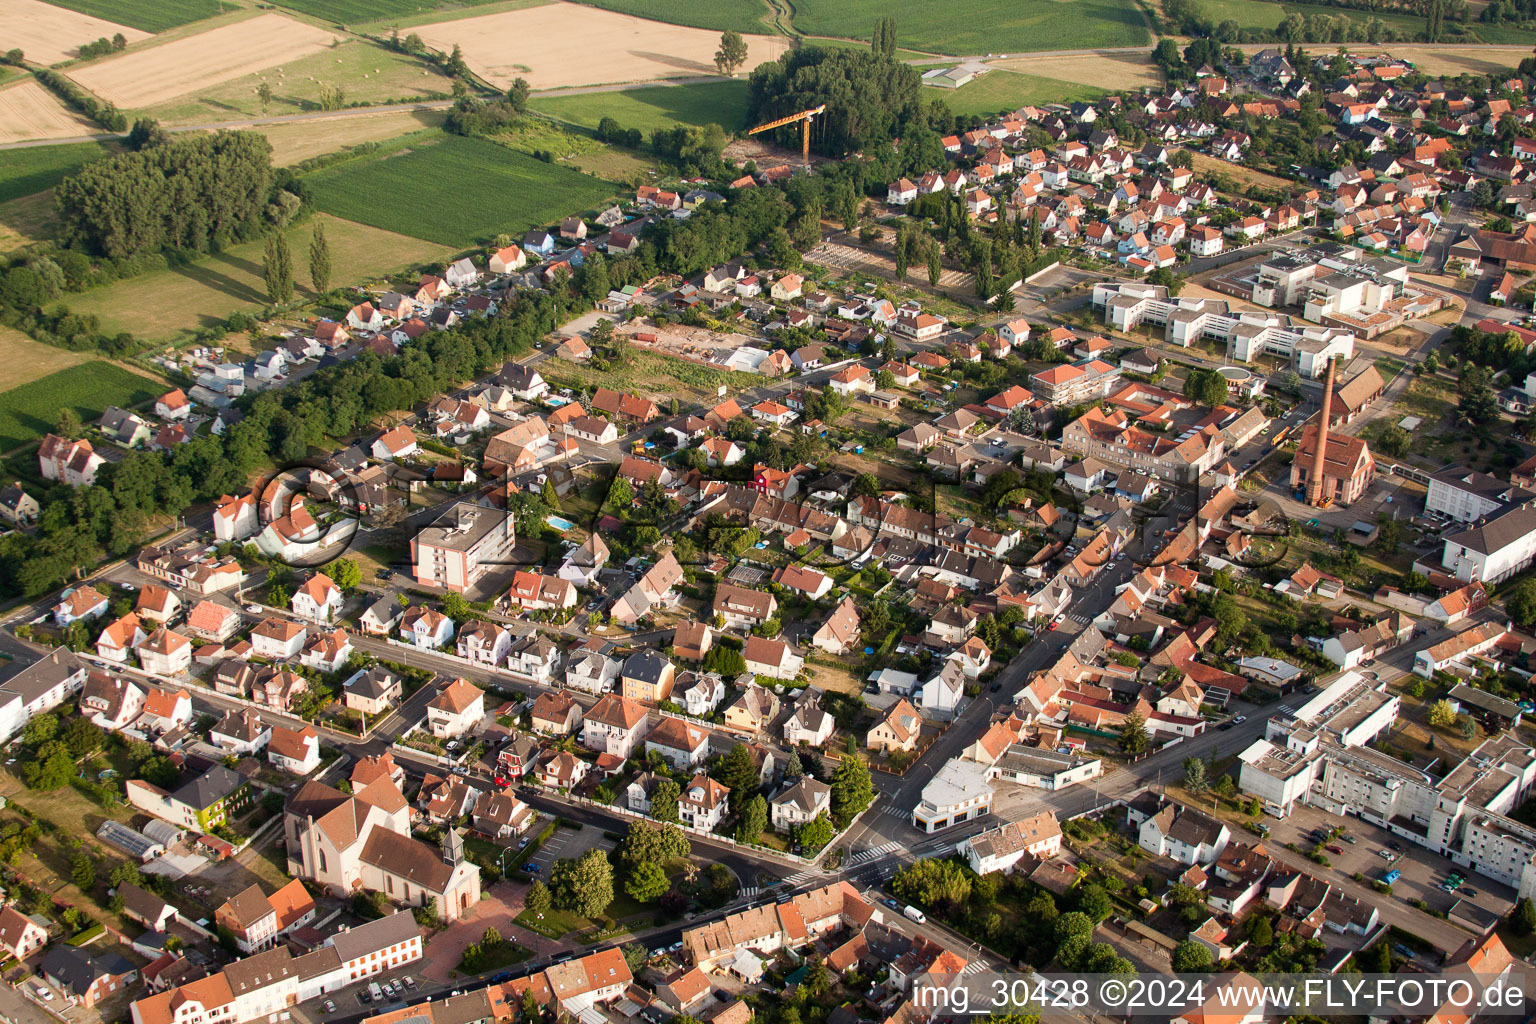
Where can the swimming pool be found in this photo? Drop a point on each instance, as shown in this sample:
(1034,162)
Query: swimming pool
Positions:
(559,523)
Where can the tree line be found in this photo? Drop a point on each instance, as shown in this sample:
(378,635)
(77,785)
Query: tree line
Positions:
(200,192)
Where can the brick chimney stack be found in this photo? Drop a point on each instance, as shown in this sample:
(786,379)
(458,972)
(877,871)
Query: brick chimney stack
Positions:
(1315,475)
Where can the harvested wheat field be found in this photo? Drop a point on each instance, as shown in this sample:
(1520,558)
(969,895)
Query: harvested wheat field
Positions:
(28,111)
(159,73)
(49,34)
(561,44)
(1105,70)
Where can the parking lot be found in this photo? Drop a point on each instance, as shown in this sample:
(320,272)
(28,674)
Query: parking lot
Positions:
(565,844)
(1423,872)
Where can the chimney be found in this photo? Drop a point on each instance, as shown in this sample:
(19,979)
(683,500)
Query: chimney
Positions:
(1315,475)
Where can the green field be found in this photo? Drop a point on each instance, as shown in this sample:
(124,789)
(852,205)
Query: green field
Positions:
(34,168)
(999,91)
(369,73)
(1267,14)
(723,103)
(163,304)
(351,12)
(717,15)
(31,410)
(146,15)
(455,191)
(967,27)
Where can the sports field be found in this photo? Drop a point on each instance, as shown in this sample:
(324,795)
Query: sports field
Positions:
(147,15)
(29,411)
(369,73)
(455,191)
(971,27)
(999,91)
(28,111)
(154,74)
(48,34)
(158,306)
(1110,70)
(741,15)
(34,168)
(659,106)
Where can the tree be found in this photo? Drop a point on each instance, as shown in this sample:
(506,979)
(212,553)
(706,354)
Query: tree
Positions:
(1521,602)
(754,820)
(935,267)
(1094,901)
(264,94)
(50,768)
(1194,774)
(344,572)
(582,884)
(1524,916)
(1072,924)
(732,53)
(537,898)
(1190,957)
(1261,933)
(277,269)
(1441,714)
(68,424)
(517,94)
(1133,734)
(816,834)
(635,958)
(1205,386)
(664,800)
(647,882)
(648,841)
(82,871)
(320,259)
(883,43)
(1167,55)
(852,789)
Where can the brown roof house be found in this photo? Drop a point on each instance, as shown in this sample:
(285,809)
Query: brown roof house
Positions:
(555,713)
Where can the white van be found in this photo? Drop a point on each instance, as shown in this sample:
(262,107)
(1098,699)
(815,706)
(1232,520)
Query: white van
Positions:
(916,915)
(376,992)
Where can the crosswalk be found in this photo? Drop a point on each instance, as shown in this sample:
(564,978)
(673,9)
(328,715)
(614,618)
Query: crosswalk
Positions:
(1078,617)
(748,891)
(1286,709)
(894,811)
(873,853)
(975,967)
(800,878)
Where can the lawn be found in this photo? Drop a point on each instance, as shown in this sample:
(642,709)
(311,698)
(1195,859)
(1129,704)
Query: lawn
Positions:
(159,305)
(23,360)
(719,15)
(1267,14)
(723,103)
(966,27)
(367,72)
(455,191)
(26,220)
(32,169)
(999,91)
(146,15)
(29,411)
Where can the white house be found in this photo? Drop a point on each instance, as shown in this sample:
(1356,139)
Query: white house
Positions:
(296,751)
(999,849)
(802,801)
(1184,835)
(615,725)
(278,639)
(318,600)
(457,708)
(425,627)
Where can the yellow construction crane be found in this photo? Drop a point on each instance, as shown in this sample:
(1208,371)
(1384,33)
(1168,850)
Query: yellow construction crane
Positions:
(804,117)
